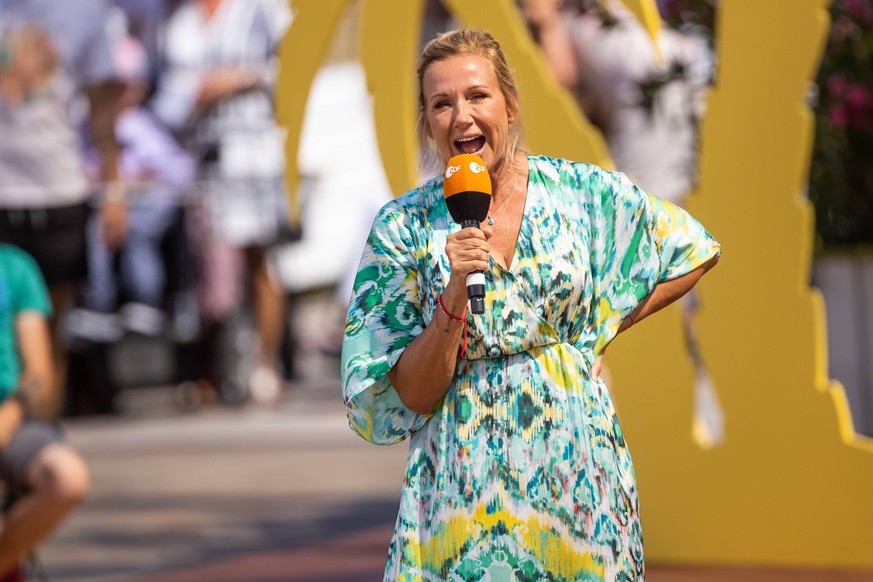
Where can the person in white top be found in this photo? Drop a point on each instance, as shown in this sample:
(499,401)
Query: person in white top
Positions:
(216,91)
(647,97)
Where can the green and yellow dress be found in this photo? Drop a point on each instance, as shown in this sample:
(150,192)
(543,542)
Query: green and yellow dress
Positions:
(521,471)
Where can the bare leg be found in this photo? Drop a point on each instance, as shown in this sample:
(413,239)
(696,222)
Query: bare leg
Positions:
(58,479)
(265,384)
(269,307)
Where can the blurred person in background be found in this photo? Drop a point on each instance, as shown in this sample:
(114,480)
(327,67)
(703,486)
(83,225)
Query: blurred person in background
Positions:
(517,468)
(216,92)
(647,97)
(44,477)
(144,19)
(54,55)
(158,174)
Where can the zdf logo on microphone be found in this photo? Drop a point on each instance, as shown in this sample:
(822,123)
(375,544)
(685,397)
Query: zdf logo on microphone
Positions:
(475,167)
(452,169)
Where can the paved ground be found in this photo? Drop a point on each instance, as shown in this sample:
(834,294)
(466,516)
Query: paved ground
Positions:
(252,494)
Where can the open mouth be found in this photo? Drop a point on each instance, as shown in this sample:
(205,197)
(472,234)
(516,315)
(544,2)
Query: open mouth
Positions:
(470,145)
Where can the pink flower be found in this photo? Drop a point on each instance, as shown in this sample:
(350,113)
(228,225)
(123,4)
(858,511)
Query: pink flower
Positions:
(855,7)
(858,96)
(861,10)
(839,116)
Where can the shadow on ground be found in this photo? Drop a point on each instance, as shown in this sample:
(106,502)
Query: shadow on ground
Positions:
(240,529)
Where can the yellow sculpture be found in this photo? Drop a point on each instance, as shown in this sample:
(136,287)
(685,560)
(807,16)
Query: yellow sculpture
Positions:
(301,55)
(792,484)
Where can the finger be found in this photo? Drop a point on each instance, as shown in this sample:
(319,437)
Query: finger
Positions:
(475,253)
(469,233)
(459,256)
(597,367)
(480,249)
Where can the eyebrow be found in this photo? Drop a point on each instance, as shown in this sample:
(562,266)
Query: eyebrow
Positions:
(441,95)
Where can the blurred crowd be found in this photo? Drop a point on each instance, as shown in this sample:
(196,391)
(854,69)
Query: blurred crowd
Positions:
(142,168)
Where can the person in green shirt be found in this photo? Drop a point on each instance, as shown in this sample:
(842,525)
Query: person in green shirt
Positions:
(44,477)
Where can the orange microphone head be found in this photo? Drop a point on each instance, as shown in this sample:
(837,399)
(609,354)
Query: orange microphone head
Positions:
(467,188)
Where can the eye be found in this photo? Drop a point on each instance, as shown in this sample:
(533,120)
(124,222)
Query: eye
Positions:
(441,104)
(478,97)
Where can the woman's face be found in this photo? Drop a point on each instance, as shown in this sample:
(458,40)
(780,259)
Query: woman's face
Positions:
(465,108)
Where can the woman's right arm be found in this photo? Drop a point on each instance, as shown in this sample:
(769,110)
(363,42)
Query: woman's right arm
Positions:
(223,82)
(424,371)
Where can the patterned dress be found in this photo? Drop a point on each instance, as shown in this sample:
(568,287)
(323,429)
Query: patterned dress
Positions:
(521,471)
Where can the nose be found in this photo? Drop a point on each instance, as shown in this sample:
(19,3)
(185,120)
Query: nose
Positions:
(462,114)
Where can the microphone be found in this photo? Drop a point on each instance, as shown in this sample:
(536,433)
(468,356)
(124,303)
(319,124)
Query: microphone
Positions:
(467,188)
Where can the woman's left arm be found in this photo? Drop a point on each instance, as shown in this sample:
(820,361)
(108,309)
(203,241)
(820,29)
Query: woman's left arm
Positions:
(665,293)
(661,296)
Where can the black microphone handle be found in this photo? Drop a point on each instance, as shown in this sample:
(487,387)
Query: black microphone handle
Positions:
(475,280)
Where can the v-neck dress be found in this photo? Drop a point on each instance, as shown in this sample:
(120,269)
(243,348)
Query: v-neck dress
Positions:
(521,471)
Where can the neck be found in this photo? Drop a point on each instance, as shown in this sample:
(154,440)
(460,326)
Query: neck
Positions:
(505,178)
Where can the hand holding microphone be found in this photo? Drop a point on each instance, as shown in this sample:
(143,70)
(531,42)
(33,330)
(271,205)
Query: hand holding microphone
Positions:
(467,188)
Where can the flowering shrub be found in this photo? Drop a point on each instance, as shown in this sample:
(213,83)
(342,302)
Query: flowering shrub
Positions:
(841,176)
(841,173)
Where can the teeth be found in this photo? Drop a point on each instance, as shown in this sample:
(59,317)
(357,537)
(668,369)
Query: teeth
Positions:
(465,139)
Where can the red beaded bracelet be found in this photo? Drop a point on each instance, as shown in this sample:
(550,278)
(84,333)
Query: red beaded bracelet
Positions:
(455,318)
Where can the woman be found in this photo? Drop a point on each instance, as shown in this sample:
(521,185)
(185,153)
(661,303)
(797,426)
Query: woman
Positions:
(517,465)
(217,91)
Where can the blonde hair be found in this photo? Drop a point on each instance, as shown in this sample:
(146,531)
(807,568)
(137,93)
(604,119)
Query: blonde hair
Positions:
(469,42)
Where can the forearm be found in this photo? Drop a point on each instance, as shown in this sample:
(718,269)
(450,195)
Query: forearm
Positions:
(425,369)
(34,346)
(103,105)
(225,82)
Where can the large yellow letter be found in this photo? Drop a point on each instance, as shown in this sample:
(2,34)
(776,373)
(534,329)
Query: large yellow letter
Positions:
(792,483)
(301,54)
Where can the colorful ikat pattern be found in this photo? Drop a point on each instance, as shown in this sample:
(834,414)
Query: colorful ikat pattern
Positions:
(521,472)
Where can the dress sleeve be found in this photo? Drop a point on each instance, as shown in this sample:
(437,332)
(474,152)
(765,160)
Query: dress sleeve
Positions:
(384,317)
(637,241)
